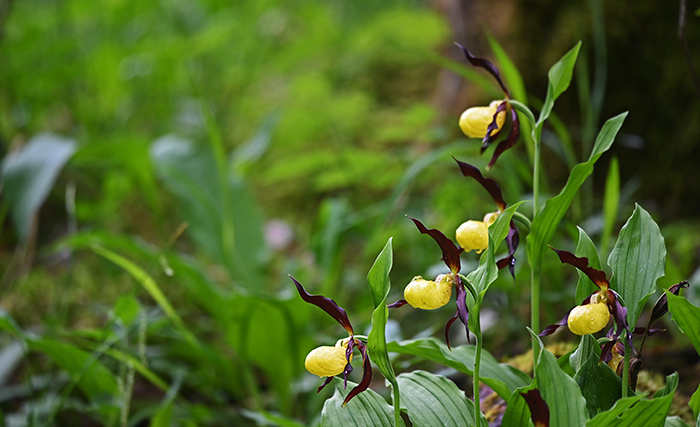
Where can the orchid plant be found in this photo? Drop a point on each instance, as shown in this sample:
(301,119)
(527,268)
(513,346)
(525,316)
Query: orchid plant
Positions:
(593,385)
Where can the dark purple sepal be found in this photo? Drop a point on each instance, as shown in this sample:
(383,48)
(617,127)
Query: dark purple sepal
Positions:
(512,240)
(549,330)
(366,374)
(492,131)
(448,325)
(510,141)
(450,251)
(325,304)
(539,410)
(348,366)
(325,383)
(489,184)
(397,304)
(661,306)
(486,65)
(598,277)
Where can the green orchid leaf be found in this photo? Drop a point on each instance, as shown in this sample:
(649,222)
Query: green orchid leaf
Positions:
(587,348)
(378,276)
(518,412)
(675,421)
(546,222)
(637,261)
(367,409)
(695,403)
(586,248)
(502,378)
(29,174)
(636,411)
(433,400)
(687,317)
(487,272)
(567,406)
(559,79)
(509,71)
(600,386)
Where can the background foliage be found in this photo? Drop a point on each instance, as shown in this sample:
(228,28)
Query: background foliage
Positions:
(203,150)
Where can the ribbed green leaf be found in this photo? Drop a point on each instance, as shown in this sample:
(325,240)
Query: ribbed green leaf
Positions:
(433,400)
(600,386)
(645,412)
(502,378)
(587,348)
(637,261)
(29,174)
(586,248)
(546,222)
(687,317)
(518,412)
(378,276)
(675,421)
(567,407)
(367,409)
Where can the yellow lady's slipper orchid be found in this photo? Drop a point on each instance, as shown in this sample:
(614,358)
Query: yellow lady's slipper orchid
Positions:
(428,294)
(473,235)
(475,121)
(327,361)
(589,318)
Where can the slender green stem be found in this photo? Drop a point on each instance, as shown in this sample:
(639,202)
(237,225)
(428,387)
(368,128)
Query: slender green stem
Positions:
(535,269)
(626,366)
(397,407)
(477,364)
(537,134)
(523,220)
(535,302)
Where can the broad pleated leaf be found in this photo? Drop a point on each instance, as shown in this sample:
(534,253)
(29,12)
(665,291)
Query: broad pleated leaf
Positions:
(502,378)
(433,400)
(518,412)
(600,386)
(637,261)
(546,222)
(585,248)
(687,317)
(567,407)
(29,174)
(367,409)
(638,411)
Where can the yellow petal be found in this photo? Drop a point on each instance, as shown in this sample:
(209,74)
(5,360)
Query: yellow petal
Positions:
(327,361)
(475,121)
(588,319)
(473,235)
(427,294)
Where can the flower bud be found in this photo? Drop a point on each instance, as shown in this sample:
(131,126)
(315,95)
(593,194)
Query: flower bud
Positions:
(327,361)
(475,121)
(429,295)
(589,318)
(473,235)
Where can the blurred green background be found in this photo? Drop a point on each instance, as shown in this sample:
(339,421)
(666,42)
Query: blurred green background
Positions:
(166,165)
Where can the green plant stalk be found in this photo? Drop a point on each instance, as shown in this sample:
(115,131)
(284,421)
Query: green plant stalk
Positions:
(626,367)
(397,406)
(477,365)
(535,269)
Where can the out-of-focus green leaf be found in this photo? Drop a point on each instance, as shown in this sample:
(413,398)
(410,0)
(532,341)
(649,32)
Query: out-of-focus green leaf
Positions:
(150,286)
(94,379)
(675,421)
(637,261)
(611,203)
(127,309)
(546,222)
(433,400)
(367,409)
(637,411)
(567,407)
(586,248)
(28,175)
(559,78)
(163,417)
(510,72)
(502,378)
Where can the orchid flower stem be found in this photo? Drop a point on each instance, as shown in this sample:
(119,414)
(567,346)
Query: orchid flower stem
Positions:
(477,363)
(535,269)
(523,220)
(626,367)
(398,422)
